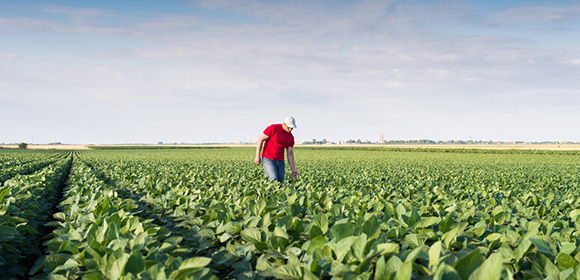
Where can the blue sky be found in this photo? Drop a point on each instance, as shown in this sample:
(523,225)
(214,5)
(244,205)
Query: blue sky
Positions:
(222,70)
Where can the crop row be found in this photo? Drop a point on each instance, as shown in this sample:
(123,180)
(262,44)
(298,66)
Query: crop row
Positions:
(99,235)
(26,203)
(14,163)
(10,171)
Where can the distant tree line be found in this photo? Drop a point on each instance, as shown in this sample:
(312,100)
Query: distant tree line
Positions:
(314,141)
(427,141)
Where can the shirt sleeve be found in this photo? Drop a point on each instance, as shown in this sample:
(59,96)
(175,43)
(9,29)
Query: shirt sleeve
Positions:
(292,142)
(269,131)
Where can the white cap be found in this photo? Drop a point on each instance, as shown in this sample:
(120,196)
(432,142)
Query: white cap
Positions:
(290,122)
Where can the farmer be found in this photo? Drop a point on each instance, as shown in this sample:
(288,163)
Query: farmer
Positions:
(275,139)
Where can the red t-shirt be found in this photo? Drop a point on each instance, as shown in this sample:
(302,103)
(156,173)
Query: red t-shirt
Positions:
(278,141)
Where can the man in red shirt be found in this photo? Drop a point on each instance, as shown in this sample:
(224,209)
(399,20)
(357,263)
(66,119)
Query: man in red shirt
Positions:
(275,139)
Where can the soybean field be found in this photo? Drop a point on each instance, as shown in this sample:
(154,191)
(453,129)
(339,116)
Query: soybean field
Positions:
(353,213)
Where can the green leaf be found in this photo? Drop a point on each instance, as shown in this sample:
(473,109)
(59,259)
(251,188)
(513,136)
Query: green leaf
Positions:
(490,269)
(449,236)
(118,243)
(7,233)
(195,262)
(567,247)
(92,276)
(493,237)
(357,248)
(340,231)
(316,231)
(341,269)
(523,248)
(567,273)
(321,220)
(278,243)
(388,248)
(434,254)
(447,224)
(38,265)
(156,271)
(309,275)
(574,213)
(405,272)
(414,254)
(342,247)
(189,273)
(392,266)
(316,242)
(412,240)
(91,258)
(544,266)
(468,263)
(281,232)
(135,264)
(399,211)
(225,237)
(53,261)
(68,265)
(57,277)
(288,272)
(446,272)
(269,261)
(427,222)
(265,222)
(285,221)
(372,228)
(113,232)
(565,261)
(542,246)
(117,267)
(231,227)
(258,207)
(60,216)
(381,272)
(414,218)
(252,235)
(166,247)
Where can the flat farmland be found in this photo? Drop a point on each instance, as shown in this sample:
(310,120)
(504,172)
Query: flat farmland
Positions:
(354,213)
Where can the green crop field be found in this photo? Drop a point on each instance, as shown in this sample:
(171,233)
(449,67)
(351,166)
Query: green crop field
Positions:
(354,213)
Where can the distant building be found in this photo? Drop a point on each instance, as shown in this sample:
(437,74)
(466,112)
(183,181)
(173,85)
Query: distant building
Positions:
(381,139)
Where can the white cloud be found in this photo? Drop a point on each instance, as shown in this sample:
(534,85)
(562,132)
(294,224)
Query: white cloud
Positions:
(44,25)
(168,22)
(439,74)
(78,12)
(540,14)
(314,17)
(372,65)
(10,56)
(24,24)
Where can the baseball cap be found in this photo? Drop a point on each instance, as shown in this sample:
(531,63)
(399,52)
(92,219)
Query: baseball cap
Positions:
(290,122)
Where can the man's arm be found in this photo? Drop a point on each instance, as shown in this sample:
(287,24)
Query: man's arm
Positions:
(259,146)
(290,155)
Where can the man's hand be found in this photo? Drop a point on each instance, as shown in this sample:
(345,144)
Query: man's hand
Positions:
(294,175)
(257,160)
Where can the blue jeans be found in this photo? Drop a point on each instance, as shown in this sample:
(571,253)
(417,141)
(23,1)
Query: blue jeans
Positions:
(275,169)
